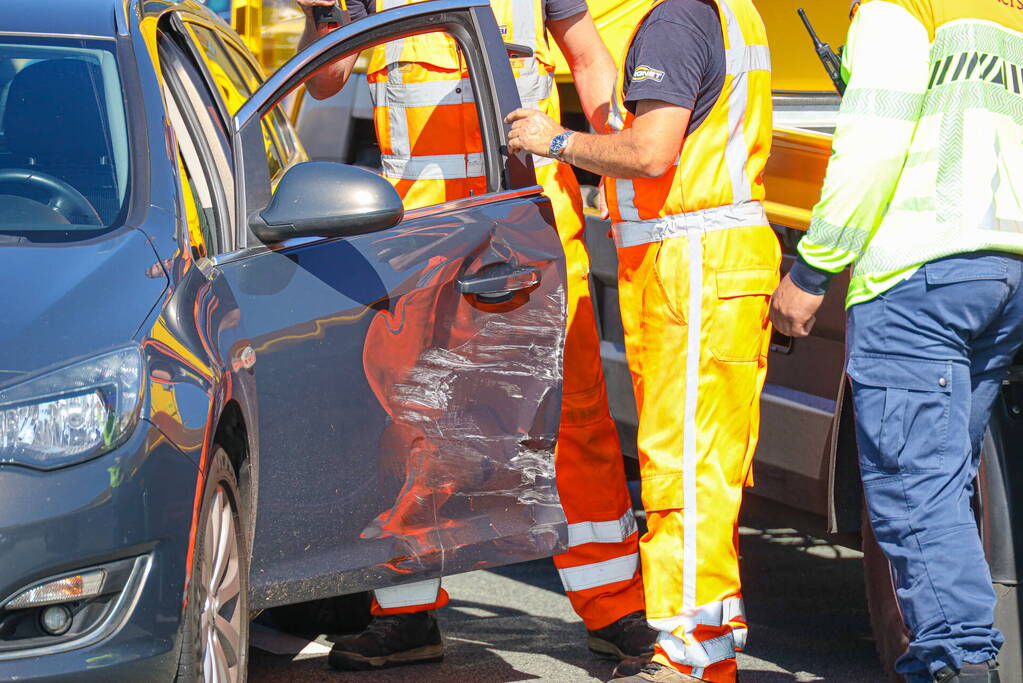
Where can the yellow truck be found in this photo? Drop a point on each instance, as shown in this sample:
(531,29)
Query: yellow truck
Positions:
(806,466)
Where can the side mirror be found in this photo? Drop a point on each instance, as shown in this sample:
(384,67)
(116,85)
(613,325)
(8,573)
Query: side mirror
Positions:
(325,199)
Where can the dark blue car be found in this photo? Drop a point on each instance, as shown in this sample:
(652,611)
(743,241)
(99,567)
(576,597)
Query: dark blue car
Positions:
(233,379)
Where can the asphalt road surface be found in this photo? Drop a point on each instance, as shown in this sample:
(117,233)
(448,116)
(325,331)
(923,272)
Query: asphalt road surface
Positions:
(804,600)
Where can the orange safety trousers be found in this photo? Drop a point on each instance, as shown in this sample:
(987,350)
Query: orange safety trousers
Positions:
(695,314)
(600,570)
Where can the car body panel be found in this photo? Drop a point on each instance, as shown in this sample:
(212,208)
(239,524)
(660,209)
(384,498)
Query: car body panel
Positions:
(118,274)
(241,345)
(460,431)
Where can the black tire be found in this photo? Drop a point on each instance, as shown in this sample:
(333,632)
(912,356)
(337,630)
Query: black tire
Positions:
(342,615)
(195,638)
(891,637)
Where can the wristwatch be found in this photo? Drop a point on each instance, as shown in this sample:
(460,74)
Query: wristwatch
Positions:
(559,143)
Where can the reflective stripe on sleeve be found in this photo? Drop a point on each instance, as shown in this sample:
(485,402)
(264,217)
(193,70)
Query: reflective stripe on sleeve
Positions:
(599,573)
(436,167)
(408,595)
(631,233)
(602,532)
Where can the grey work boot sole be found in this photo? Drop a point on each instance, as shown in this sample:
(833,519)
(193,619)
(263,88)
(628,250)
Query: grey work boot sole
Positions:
(352,661)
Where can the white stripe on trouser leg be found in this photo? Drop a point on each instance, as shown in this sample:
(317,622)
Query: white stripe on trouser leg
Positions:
(408,595)
(599,573)
(697,654)
(602,532)
(689,454)
(718,613)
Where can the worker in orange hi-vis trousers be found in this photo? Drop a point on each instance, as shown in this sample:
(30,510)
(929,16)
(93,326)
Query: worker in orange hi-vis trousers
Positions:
(698,261)
(430,144)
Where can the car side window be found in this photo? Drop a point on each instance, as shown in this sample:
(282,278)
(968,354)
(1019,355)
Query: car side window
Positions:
(431,146)
(207,181)
(235,88)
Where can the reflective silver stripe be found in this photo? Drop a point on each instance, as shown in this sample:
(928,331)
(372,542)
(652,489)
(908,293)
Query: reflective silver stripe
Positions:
(599,573)
(534,85)
(615,118)
(436,167)
(602,532)
(718,613)
(408,595)
(690,510)
(393,48)
(626,193)
(697,654)
(428,94)
(523,23)
(736,151)
(748,58)
(631,233)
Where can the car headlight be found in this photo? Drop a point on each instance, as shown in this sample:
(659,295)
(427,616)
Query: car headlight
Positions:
(71,414)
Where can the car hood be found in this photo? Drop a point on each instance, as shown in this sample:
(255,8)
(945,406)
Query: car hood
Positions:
(67,301)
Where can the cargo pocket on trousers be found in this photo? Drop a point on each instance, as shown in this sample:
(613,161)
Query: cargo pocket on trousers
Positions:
(902,411)
(737,321)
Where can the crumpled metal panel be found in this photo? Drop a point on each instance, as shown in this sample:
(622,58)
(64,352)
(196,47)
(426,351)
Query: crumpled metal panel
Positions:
(472,391)
(406,430)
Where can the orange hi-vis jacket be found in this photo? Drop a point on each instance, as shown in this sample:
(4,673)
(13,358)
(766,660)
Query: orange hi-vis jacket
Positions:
(717,180)
(424,109)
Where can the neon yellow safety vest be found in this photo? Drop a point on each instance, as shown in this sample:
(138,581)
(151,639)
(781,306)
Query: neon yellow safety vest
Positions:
(717,180)
(928,152)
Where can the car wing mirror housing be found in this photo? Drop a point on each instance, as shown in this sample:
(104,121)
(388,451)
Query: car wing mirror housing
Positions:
(327,199)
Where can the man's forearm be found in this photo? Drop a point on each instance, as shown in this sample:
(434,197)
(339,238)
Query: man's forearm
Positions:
(595,81)
(615,154)
(329,79)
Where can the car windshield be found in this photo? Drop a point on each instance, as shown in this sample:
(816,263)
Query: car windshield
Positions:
(63,139)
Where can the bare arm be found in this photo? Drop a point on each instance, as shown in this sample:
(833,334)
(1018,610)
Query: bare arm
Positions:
(646,150)
(593,69)
(329,79)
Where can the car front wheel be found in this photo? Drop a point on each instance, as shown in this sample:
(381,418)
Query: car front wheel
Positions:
(215,632)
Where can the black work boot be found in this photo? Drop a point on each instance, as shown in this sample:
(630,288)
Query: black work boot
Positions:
(392,640)
(630,636)
(984,672)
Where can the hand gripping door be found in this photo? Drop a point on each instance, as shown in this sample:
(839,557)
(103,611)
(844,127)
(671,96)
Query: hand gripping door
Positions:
(409,379)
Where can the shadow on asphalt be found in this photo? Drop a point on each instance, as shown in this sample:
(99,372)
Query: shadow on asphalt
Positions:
(804,601)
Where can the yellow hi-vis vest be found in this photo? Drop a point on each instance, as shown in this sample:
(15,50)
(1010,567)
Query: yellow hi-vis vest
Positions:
(425,113)
(717,181)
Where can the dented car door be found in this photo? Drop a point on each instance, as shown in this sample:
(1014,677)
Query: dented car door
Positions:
(409,379)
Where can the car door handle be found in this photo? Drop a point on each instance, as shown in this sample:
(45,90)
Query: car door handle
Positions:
(500,281)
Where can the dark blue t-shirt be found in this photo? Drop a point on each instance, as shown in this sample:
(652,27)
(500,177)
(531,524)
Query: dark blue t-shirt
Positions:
(678,57)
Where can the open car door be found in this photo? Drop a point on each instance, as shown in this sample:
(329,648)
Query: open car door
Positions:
(409,378)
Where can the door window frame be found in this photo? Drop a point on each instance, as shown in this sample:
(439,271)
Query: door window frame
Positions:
(179,77)
(470,23)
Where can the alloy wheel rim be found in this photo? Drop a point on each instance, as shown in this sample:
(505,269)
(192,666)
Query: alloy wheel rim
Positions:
(220,617)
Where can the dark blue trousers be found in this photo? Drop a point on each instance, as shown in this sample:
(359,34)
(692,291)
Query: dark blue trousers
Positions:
(926,360)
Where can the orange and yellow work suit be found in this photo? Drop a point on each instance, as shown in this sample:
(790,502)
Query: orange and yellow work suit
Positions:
(697,263)
(431,150)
